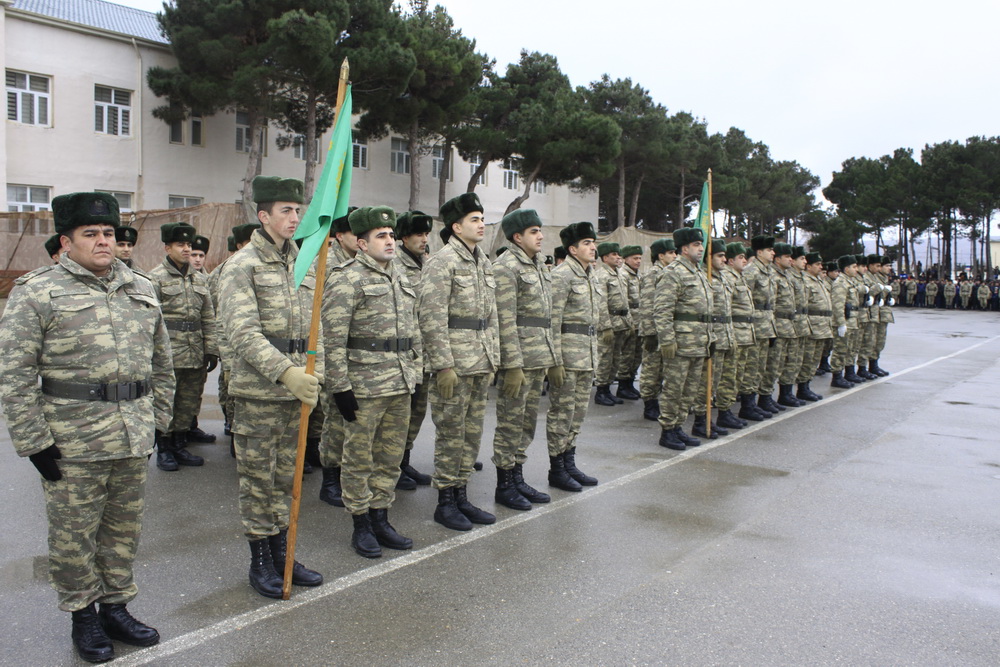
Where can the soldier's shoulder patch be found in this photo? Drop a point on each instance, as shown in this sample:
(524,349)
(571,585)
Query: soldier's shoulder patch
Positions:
(31,275)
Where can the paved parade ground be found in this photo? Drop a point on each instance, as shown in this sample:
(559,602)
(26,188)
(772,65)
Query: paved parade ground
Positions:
(861,530)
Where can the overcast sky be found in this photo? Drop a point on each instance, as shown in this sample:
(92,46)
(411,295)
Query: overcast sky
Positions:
(817,82)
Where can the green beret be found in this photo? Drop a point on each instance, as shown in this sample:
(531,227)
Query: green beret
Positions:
(798,251)
(413,222)
(813,257)
(559,252)
(52,244)
(267,189)
(686,235)
(845,262)
(457,208)
(231,243)
(242,233)
(129,234)
(576,232)
(341,225)
(782,249)
(761,242)
(718,245)
(861,260)
(516,222)
(177,232)
(734,250)
(629,250)
(875,259)
(607,248)
(84,208)
(368,218)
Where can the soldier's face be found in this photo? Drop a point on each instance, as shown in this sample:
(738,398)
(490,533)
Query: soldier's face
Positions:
(862,270)
(718,261)
(179,251)
(766,255)
(814,268)
(585,251)
(799,262)
(669,256)
(851,271)
(282,220)
(123,250)
(349,242)
(530,241)
(832,275)
(633,262)
(693,251)
(416,243)
(739,263)
(471,228)
(380,245)
(784,261)
(92,247)
(612,259)
(197,259)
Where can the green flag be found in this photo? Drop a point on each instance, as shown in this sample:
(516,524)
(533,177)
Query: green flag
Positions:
(332,193)
(705,214)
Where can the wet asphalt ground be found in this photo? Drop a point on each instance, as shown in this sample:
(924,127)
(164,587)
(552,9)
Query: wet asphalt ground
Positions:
(862,530)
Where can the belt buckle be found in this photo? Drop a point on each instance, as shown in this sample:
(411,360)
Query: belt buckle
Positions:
(299,345)
(387,345)
(483,324)
(591,330)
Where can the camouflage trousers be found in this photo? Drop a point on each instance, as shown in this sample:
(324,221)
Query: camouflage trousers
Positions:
(332,434)
(516,419)
(812,353)
(190,384)
(609,358)
(789,368)
(777,355)
(854,339)
(567,408)
(880,336)
(841,355)
(734,369)
(650,374)
(373,451)
(867,349)
(756,363)
(95,517)
(701,400)
(458,424)
(266,436)
(418,410)
(225,400)
(631,356)
(681,377)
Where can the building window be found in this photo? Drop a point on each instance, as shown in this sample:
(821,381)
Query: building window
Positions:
(124,200)
(177,132)
(510,177)
(474,163)
(360,148)
(299,147)
(538,187)
(27,98)
(196,126)
(437,163)
(181,201)
(27,198)
(112,111)
(243,134)
(400,156)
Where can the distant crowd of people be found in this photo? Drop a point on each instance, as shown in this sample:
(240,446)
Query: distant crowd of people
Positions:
(963,294)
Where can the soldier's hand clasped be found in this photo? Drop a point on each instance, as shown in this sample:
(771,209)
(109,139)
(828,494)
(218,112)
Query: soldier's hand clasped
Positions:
(347,404)
(45,462)
(303,386)
(513,378)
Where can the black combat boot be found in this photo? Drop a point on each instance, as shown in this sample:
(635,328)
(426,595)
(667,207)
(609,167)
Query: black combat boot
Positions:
(806,393)
(824,365)
(700,427)
(687,439)
(182,455)
(786,398)
(569,458)
(385,533)
(749,409)
(838,381)
(651,409)
(405,482)
(471,512)
(863,372)
(164,456)
(90,639)
(767,404)
(263,577)
(447,513)
(603,396)
(851,376)
(363,539)
(626,390)
(330,491)
(727,419)
(195,434)
(126,628)
(559,478)
(532,494)
(875,369)
(507,494)
(670,439)
(301,575)
(420,478)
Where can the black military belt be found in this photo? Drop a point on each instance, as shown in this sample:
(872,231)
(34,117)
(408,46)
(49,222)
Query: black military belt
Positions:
(583,329)
(766,306)
(380,344)
(619,313)
(543,322)
(721,319)
(801,311)
(785,316)
(849,307)
(120,391)
(743,319)
(183,326)
(819,313)
(467,323)
(289,345)
(692,317)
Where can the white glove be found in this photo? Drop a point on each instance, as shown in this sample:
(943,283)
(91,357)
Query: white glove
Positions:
(303,386)
(867,288)
(886,289)
(892,302)
(869,301)
(842,331)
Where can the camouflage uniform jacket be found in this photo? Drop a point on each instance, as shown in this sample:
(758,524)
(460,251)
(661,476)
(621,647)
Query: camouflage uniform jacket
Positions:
(64,323)
(413,270)
(335,256)
(844,302)
(185,298)
(784,303)
(911,289)
(682,308)
(875,290)
(464,289)
(647,286)
(576,303)
(741,304)
(213,291)
(885,310)
(631,280)
(862,298)
(802,323)
(759,278)
(819,309)
(895,289)
(722,313)
(524,301)
(611,285)
(259,301)
(365,301)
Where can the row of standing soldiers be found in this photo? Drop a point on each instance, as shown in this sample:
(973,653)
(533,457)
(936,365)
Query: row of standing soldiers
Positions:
(965,294)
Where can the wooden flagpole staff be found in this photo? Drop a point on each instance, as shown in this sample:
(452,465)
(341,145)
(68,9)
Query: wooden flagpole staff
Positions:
(708,362)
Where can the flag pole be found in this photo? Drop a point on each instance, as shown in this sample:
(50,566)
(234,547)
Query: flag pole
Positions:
(300,454)
(708,363)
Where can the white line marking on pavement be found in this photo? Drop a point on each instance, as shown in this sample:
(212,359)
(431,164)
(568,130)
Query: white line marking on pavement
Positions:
(300,599)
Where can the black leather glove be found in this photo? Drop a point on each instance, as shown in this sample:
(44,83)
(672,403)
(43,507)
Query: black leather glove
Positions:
(211,361)
(413,397)
(45,462)
(771,342)
(711,349)
(347,403)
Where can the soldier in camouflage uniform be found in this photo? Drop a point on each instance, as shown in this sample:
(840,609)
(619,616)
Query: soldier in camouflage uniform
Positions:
(735,366)
(803,328)
(781,360)
(721,350)
(832,270)
(199,252)
(662,253)
(53,248)
(856,337)
(759,277)
(576,316)
(933,287)
(524,313)
(187,309)
(125,238)
(869,316)
(885,317)
(92,330)
(266,322)
(616,322)
(458,325)
(844,304)
(817,310)
(628,273)
(372,347)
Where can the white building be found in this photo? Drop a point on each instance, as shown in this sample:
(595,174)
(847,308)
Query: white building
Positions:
(79,118)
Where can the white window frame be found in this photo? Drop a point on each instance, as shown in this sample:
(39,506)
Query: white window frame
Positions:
(243,135)
(36,198)
(474,163)
(299,147)
(197,122)
(511,177)
(124,200)
(113,117)
(437,159)
(183,201)
(399,157)
(359,153)
(21,97)
(538,187)
(178,126)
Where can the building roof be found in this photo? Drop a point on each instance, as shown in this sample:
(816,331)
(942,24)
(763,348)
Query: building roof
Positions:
(98,14)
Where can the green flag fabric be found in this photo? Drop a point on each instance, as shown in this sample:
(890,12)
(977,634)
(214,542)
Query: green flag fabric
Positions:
(705,215)
(332,193)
